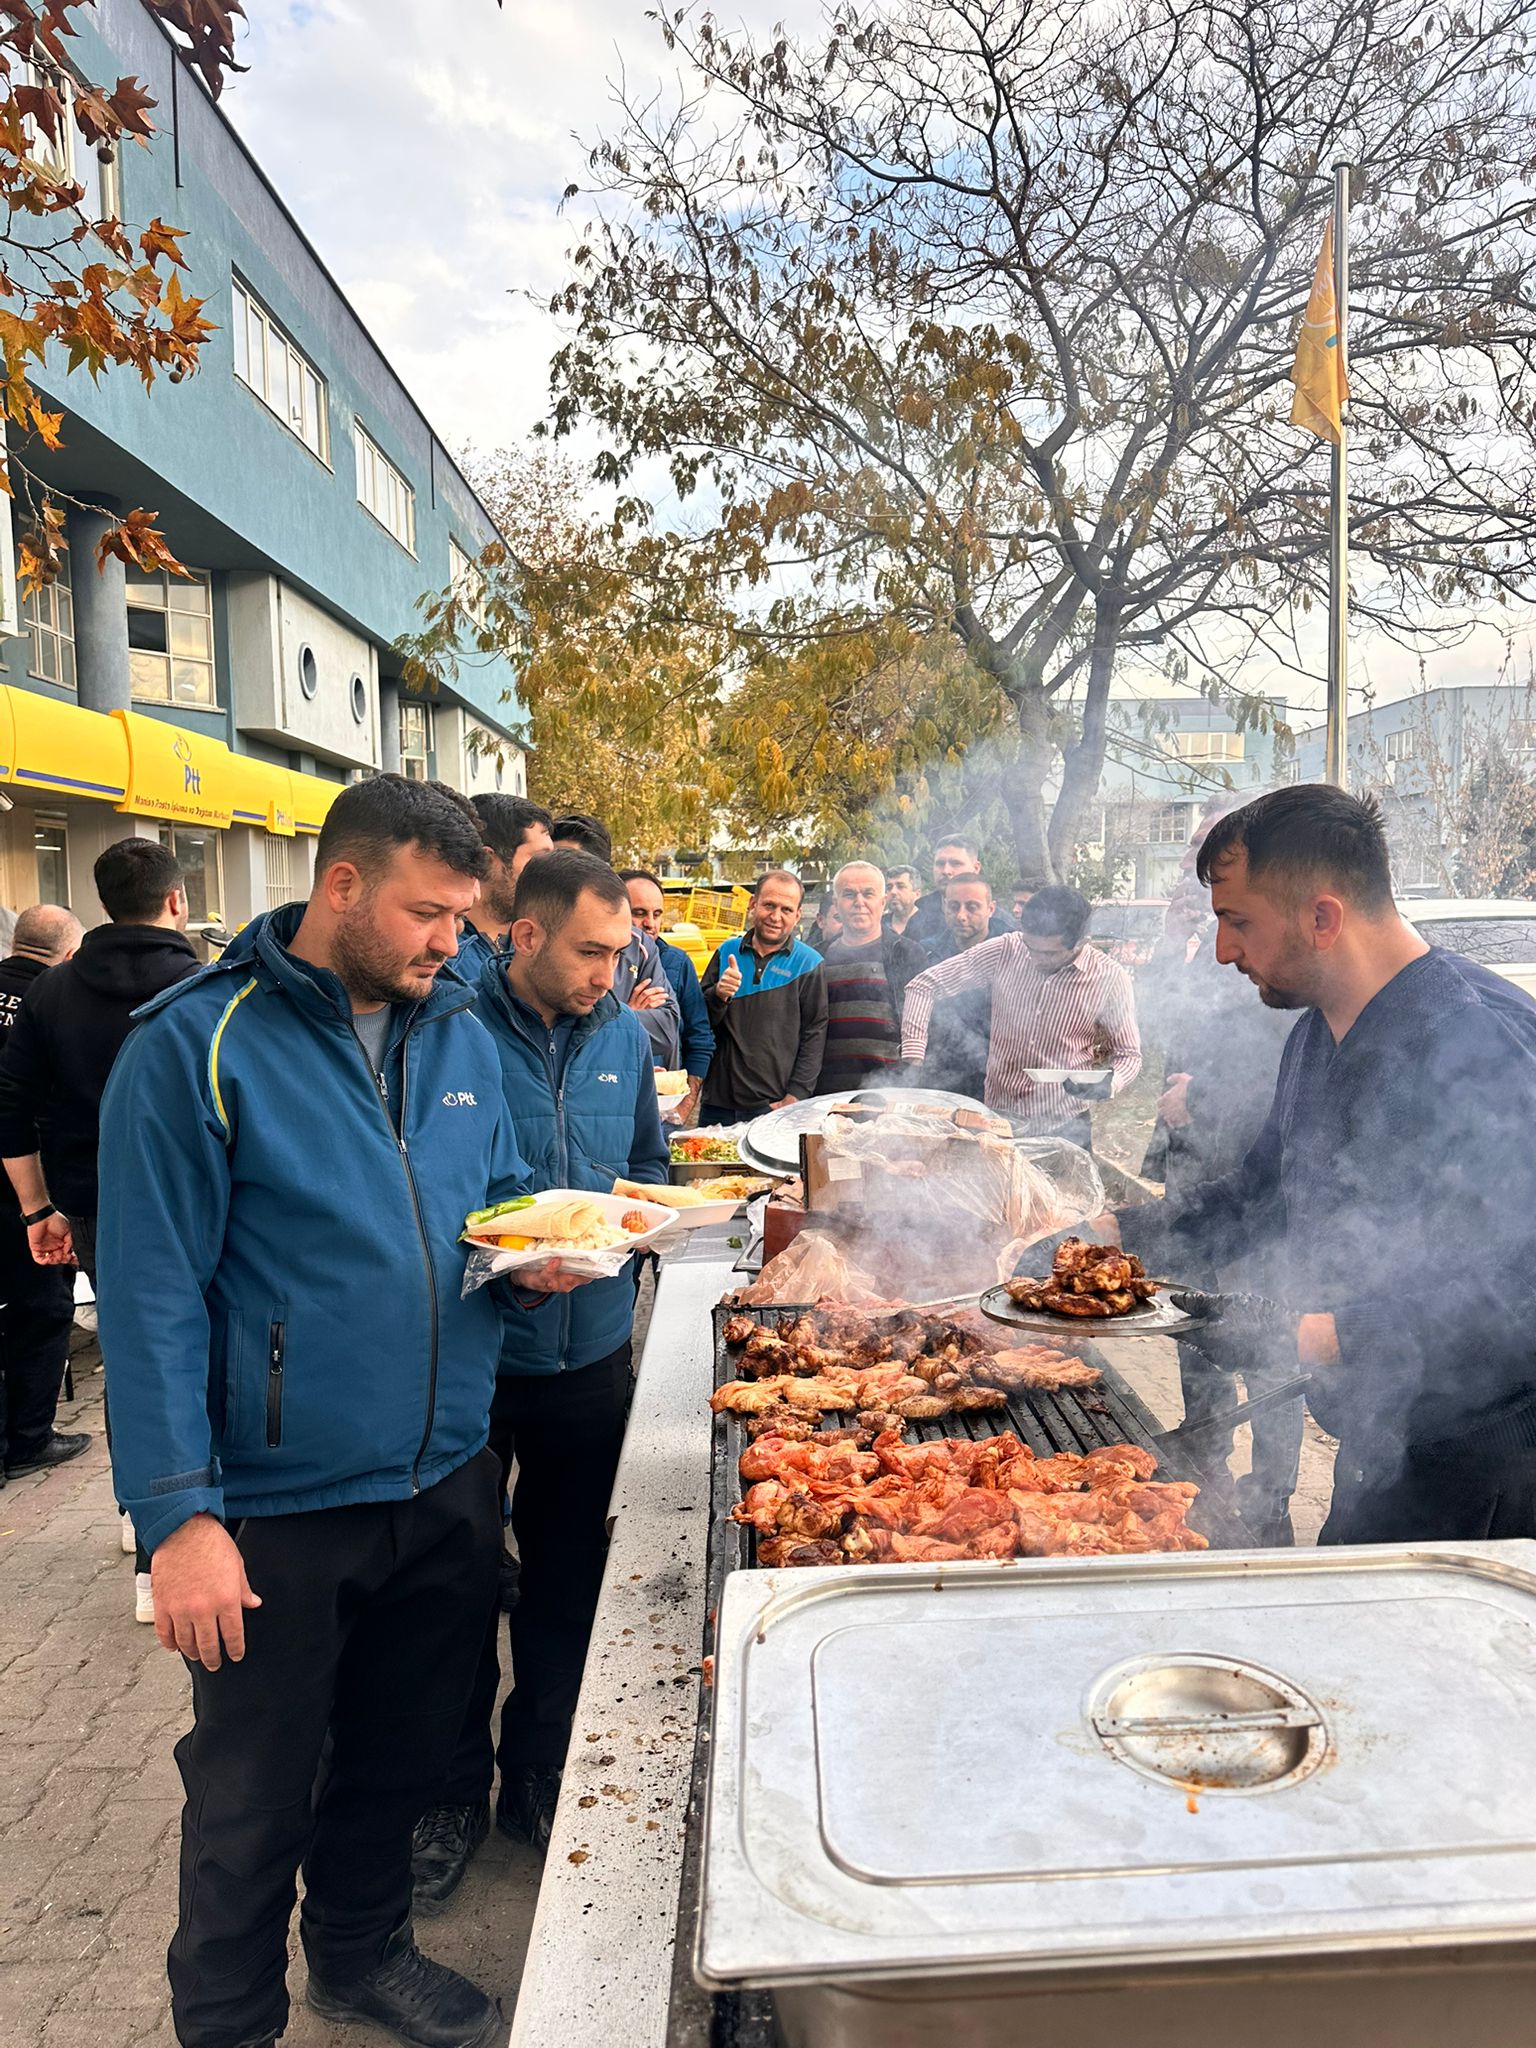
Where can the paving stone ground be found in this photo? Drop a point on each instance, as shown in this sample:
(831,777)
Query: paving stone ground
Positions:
(90,1706)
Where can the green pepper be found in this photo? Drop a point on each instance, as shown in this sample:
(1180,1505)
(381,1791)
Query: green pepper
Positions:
(478,1218)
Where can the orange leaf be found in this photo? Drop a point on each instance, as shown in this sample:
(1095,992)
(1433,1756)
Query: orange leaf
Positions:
(158,240)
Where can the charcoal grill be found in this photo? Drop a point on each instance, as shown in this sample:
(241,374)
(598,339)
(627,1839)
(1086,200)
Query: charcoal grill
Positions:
(1075,1419)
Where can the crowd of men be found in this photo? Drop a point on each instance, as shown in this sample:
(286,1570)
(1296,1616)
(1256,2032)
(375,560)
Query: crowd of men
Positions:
(318,1437)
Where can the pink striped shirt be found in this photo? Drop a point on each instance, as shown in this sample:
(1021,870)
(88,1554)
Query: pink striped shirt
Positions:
(1082,1016)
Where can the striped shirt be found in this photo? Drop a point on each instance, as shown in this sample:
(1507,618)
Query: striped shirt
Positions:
(1082,1016)
(863,1020)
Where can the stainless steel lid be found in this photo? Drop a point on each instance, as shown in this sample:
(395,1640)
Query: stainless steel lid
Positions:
(1107,1761)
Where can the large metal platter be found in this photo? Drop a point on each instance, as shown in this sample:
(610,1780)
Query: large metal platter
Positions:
(1155,1318)
(775,1138)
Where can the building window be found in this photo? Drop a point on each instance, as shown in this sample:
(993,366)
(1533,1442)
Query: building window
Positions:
(1402,746)
(50,840)
(279,373)
(282,871)
(198,853)
(1207,746)
(170,637)
(384,492)
(61,159)
(49,617)
(415,740)
(1169,825)
(467,582)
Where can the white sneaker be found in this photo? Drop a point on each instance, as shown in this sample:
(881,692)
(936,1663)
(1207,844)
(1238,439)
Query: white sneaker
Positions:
(130,1540)
(143,1598)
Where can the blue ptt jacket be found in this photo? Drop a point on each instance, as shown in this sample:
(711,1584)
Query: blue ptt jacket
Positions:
(598,1124)
(279,1273)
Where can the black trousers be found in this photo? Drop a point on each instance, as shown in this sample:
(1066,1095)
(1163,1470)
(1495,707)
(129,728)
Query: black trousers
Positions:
(566,1430)
(37,1312)
(1479,1497)
(323,1746)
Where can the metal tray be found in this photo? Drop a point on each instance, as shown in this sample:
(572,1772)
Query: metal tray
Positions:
(1121,1764)
(1155,1318)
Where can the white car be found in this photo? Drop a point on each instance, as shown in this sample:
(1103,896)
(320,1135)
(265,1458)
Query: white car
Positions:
(1495,932)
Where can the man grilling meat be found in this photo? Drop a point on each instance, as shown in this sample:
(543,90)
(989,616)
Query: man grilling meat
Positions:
(1395,1179)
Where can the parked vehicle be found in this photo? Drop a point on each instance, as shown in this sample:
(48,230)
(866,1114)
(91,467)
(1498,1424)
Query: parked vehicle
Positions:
(1496,932)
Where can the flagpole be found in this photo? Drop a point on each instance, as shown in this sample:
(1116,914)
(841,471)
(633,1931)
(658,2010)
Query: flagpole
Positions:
(1336,762)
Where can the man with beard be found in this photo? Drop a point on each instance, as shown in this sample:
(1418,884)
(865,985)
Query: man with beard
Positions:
(515,832)
(1394,1180)
(579,1086)
(290,1143)
(961,1026)
(766,994)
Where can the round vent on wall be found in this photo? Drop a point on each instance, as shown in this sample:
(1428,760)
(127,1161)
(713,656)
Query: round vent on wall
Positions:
(309,671)
(359,700)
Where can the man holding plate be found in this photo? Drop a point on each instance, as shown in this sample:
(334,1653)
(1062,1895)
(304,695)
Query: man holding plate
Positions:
(577,1077)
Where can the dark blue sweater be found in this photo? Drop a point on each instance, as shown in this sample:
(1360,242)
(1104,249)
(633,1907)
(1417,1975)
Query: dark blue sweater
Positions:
(697,1039)
(1396,1177)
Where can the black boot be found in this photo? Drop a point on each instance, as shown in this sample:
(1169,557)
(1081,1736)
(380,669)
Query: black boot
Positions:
(56,1448)
(413,1998)
(525,1805)
(441,1847)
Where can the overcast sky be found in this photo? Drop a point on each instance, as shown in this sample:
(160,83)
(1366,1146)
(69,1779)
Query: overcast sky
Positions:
(423,145)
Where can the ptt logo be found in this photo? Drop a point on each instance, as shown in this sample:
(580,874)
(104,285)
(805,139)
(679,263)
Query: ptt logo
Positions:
(191,778)
(459,1099)
(609,1077)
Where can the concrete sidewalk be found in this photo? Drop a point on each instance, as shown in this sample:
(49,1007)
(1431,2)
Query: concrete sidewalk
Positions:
(90,1706)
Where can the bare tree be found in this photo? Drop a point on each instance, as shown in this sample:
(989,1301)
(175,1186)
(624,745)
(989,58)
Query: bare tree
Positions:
(976,319)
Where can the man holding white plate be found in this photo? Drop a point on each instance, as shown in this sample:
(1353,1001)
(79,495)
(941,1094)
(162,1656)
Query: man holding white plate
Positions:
(578,1080)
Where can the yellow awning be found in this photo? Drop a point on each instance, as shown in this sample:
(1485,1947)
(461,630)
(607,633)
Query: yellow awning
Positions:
(45,745)
(147,767)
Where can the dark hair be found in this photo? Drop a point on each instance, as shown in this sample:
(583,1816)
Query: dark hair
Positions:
(134,877)
(781,875)
(549,888)
(892,873)
(968,882)
(580,828)
(458,799)
(641,875)
(371,819)
(506,821)
(958,839)
(1060,910)
(1306,836)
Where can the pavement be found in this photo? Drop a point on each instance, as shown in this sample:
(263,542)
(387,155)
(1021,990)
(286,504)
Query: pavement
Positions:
(90,1707)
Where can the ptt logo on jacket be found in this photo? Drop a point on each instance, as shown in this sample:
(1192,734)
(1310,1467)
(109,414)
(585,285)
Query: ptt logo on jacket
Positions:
(459,1099)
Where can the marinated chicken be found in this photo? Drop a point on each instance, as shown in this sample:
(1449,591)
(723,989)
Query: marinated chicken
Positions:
(1086,1280)
(957,1498)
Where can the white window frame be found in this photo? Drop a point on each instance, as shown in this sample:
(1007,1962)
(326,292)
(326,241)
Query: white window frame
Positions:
(467,581)
(1206,745)
(284,379)
(139,598)
(60,159)
(383,492)
(48,617)
(410,708)
(1403,744)
(1169,825)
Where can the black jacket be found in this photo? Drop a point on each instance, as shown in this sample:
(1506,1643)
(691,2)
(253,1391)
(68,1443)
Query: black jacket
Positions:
(927,930)
(959,1039)
(17,975)
(60,1048)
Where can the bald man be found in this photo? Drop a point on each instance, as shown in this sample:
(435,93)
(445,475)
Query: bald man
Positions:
(867,972)
(37,1303)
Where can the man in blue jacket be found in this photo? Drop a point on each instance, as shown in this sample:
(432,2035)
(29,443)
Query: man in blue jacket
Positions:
(578,1082)
(290,1143)
(515,832)
(696,1048)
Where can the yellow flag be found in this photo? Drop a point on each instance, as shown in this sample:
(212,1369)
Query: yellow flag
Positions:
(1318,371)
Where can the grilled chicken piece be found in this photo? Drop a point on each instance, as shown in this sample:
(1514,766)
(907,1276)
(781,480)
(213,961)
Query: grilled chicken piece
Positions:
(1035,1367)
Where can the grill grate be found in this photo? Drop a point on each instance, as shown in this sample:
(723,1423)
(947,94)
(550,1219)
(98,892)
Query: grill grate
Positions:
(1075,1419)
